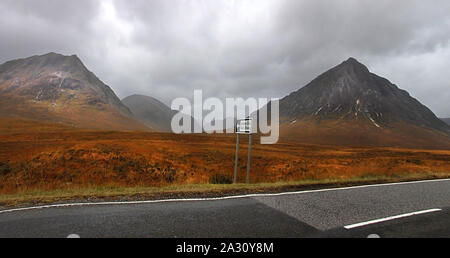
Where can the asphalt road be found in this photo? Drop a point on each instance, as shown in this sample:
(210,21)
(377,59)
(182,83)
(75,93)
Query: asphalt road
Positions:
(318,213)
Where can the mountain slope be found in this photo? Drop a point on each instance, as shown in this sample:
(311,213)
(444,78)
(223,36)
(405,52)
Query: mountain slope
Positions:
(150,111)
(59,88)
(153,113)
(446,120)
(349,105)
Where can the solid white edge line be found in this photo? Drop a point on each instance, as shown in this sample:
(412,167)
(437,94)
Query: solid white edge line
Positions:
(217,198)
(390,218)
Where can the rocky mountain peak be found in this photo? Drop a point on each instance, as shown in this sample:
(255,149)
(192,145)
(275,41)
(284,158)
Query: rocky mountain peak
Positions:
(59,83)
(52,77)
(350,92)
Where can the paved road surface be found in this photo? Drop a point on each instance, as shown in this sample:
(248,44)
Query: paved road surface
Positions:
(318,213)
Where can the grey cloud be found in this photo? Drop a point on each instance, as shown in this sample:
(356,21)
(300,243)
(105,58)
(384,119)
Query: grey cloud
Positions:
(57,11)
(259,48)
(36,27)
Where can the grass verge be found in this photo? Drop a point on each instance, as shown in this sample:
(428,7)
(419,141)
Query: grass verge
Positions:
(99,194)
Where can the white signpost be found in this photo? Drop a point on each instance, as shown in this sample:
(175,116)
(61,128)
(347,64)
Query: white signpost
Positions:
(243,127)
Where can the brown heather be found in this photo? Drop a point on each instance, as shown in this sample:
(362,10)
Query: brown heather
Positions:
(44,156)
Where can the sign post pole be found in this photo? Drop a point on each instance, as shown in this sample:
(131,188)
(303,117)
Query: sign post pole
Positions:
(236,159)
(249,157)
(243,127)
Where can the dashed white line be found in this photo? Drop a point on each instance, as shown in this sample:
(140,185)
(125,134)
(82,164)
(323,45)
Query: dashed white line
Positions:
(218,198)
(390,218)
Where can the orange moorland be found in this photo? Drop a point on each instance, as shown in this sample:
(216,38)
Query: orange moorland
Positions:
(44,156)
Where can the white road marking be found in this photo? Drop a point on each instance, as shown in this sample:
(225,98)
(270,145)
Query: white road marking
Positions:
(73,236)
(373,236)
(217,198)
(390,218)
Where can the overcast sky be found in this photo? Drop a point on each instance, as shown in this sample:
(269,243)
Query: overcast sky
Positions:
(258,48)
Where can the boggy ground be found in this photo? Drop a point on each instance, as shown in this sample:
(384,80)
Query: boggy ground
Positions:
(65,160)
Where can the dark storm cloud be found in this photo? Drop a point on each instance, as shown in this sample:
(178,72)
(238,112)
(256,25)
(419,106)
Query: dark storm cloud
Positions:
(34,27)
(237,48)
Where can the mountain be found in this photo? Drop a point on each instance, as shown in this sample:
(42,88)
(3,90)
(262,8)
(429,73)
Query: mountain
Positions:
(349,105)
(153,113)
(446,120)
(150,111)
(61,89)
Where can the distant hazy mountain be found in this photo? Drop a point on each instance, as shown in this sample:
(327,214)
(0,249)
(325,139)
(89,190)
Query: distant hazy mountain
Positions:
(348,105)
(59,88)
(446,120)
(153,113)
(150,111)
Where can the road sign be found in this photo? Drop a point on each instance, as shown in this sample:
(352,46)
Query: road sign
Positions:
(244,126)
